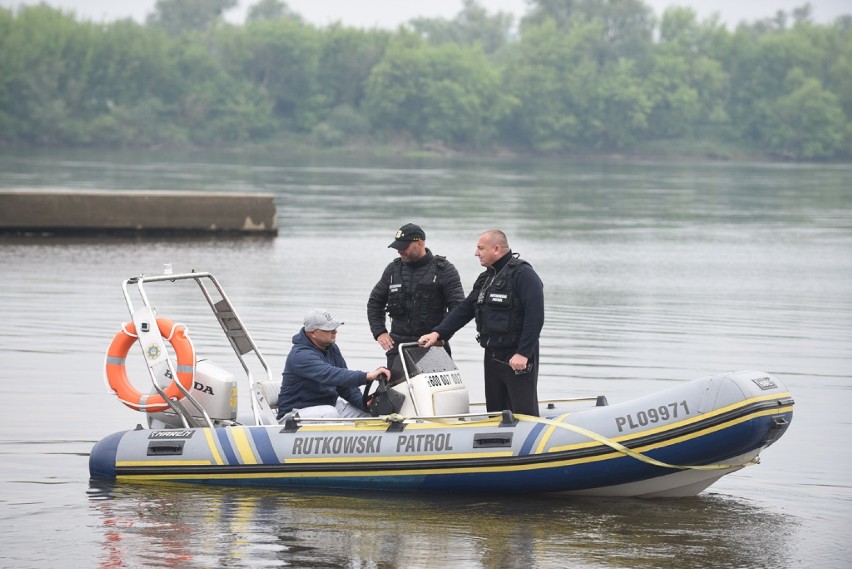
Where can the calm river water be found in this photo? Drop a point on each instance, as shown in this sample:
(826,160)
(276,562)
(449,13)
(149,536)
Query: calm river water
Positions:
(654,272)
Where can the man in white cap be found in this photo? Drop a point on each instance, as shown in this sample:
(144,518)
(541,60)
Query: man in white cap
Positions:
(316,381)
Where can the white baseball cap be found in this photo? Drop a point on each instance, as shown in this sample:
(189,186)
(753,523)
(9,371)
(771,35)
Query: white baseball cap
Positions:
(319,319)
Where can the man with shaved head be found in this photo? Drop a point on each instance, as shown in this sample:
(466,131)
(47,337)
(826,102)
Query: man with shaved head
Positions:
(507,302)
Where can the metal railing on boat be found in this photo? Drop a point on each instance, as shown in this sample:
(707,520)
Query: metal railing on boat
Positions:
(226,315)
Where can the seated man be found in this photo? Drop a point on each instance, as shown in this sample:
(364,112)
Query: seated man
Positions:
(316,381)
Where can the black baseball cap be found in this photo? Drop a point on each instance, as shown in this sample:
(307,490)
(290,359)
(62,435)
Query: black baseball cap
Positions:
(406,234)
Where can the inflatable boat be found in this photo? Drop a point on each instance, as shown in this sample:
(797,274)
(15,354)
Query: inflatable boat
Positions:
(425,436)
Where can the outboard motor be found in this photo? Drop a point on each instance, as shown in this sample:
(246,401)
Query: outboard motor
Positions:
(214,388)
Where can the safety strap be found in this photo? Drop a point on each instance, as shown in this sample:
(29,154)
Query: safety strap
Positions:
(631,453)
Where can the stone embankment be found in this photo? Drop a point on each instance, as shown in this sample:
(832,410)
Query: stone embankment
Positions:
(80,212)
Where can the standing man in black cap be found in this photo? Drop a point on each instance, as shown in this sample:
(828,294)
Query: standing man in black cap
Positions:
(417,290)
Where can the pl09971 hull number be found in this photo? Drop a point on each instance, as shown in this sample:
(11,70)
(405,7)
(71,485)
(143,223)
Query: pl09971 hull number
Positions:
(653,415)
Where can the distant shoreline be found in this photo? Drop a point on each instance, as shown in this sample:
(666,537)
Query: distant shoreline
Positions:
(679,150)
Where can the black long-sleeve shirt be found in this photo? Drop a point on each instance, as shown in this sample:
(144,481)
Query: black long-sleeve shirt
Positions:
(530,291)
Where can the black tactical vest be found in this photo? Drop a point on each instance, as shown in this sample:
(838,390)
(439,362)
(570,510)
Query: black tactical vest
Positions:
(415,313)
(499,314)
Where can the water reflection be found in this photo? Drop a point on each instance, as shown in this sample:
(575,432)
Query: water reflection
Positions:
(168,525)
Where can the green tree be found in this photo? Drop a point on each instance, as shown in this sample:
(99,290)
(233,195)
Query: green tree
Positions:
(279,58)
(213,106)
(447,93)
(129,65)
(576,92)
(9,71)
(553,74)
(582,74)
(180,16)
(578,74)
(347,57)
(472,26)
(807,123)
(130,87)
(621,108)
(684,82)
(627,26)
(838,79)
(271,10)
(758,64)
(46,63)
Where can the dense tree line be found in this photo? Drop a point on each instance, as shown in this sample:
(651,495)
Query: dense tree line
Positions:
(571,76)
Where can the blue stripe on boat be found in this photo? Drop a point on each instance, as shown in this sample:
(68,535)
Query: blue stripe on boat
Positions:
(225,443)
(265,452)
(531,438)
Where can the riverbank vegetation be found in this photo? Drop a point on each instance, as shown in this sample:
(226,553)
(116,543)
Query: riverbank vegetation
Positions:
(572,77)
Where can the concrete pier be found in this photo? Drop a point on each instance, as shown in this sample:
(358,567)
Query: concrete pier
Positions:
(79,212)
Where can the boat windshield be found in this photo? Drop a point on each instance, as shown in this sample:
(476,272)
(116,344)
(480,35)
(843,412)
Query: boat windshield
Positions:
(427,360)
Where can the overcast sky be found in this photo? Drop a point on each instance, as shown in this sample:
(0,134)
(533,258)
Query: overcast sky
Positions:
(391,13)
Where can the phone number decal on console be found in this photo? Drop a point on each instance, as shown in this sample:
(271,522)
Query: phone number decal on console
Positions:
(653,415)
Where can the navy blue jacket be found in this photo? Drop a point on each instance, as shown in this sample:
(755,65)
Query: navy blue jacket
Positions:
(317,377)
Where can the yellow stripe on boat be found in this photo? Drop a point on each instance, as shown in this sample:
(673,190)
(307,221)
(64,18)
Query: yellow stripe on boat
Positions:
(709,414)
(211,442)
(548,432)
(243,445)
(669,426)
(355,473)
(676,440)
(372,473)
(380,459)
(719,427)
(428,471)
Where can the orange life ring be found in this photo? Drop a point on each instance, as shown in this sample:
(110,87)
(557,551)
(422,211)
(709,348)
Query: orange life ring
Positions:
(116,373)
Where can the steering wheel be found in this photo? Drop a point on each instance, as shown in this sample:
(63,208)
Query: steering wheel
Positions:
(380,382)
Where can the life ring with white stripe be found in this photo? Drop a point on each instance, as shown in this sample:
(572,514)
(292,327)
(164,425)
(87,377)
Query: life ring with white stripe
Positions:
(116,372)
